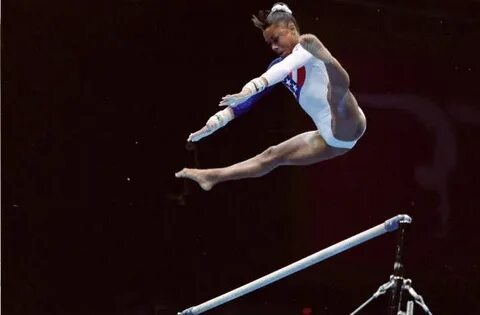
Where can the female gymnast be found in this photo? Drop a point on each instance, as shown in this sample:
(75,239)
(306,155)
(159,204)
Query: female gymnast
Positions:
(321,87)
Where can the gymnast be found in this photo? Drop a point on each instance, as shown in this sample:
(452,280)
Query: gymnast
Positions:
(320,85)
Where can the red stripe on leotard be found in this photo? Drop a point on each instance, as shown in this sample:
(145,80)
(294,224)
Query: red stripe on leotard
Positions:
(301,76)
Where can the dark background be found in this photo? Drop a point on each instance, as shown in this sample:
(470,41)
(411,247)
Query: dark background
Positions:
(99,97)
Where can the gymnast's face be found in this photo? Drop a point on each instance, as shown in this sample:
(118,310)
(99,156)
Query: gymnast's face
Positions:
(281,37)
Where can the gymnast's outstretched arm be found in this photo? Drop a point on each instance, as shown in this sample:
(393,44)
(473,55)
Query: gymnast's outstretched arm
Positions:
(275,74)
(251,93)
(223,117)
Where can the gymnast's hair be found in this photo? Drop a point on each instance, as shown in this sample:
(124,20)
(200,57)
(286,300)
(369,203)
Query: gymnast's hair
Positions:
(280,13)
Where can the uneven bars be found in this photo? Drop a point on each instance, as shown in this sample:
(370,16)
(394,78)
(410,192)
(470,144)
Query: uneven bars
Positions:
(388,226)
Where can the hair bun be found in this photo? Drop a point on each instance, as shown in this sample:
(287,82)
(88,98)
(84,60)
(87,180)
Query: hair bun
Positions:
(280,7)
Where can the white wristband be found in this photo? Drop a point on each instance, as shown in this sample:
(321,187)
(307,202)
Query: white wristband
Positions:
(220,119)
(256,85)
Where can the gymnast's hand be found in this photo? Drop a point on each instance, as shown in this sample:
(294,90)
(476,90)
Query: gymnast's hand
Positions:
(199,134)
(251,88)
(214,123)
(235,99)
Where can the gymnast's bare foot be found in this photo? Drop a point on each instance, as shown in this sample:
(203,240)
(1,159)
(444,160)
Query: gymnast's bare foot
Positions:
(200,176)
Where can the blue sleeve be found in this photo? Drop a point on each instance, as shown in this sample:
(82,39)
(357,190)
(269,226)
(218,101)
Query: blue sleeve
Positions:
(244,107)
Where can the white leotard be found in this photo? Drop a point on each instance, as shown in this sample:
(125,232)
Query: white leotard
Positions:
(306,77)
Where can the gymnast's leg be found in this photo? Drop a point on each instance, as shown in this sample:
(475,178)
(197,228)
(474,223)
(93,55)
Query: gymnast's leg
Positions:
(349,122)
(303,149)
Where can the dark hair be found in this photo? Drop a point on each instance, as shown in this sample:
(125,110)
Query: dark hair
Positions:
(265,18)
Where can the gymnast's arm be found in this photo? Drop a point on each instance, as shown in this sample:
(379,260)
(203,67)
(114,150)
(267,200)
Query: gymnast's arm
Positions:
(275,74)
(223,117)
(298,58)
